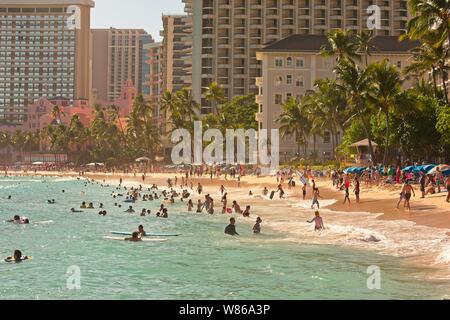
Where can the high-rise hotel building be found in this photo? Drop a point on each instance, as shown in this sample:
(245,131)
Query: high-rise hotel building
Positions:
(228,33)
(117,57)
(176,52)
(44,52)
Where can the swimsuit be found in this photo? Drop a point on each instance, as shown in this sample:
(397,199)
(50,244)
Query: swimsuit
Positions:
(407,196)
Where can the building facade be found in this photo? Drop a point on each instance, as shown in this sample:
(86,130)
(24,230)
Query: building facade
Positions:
(228,33)
(153,83)
(44,51)
(117,56)
(290,68)
(176,52)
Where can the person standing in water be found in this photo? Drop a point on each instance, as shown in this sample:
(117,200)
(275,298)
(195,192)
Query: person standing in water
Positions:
(231,228)
(318,222)
(315,200)
(257,226)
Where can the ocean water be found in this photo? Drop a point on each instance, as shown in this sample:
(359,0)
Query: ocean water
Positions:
(202,263)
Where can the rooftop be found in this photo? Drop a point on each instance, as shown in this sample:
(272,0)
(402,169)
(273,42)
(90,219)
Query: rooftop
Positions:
(314,43)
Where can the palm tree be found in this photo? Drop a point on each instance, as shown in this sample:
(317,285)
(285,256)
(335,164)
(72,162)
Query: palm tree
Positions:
(293,121)
(340,44)
(57,113)
(186,104)
(214,94)
(355,82)
(364,43)
(429,15)
(325,109)
(387,95)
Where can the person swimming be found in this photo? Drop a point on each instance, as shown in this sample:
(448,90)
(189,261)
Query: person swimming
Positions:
(91,205)
(165,213)
(17,257)
(231,228)
(19,220)
(130,210)
(190,205)
(83,205)
(257,226)
(75,211)
(318,222)
(134,237)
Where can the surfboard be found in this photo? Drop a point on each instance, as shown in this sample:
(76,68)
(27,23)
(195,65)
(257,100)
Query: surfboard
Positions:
(272,194)
(143,240)
(43,222)
(122,233)
(14,261)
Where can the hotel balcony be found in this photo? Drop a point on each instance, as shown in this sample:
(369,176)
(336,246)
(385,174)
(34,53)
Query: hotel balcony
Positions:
(259,99)
(259,81)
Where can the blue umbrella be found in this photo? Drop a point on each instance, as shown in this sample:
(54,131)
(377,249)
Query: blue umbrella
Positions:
(428,167)
(348,170)
(409,169)
(446,173)
(360,170)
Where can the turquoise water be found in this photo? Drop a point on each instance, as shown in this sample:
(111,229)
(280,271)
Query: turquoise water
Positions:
(203,263)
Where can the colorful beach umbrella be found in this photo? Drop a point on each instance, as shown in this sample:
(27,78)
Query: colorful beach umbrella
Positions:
(409,169)
(441,167)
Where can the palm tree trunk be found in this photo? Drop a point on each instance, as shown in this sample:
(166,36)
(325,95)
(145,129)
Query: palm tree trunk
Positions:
(444,86)
(433,74)
(386,144)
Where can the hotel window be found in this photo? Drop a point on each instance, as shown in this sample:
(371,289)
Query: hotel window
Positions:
(326,137)
(278,80)
(289,62)
(289,79)
(278,62)
(300,63)
(288,96)
(278,99)
(299,82)
(399,64)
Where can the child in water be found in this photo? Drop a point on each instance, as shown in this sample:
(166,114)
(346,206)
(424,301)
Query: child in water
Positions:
(319,222)
(257,226)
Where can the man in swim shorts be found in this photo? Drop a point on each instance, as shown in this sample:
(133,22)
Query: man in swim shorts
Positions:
(407,190)
(315,201)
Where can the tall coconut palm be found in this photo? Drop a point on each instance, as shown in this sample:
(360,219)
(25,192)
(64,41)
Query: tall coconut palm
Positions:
(342,44)
(429,15)
(387,95)
(215,95)
(294,122)
(364,41)
(355,82)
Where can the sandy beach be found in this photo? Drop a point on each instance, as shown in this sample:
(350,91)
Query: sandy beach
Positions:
(421,235)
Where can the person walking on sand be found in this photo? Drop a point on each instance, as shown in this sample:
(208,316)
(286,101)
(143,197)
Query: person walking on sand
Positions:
(318,222)
(304,191)
(199,188)
(447,184)
(357,189)
(407,190)
(422,182)
(347,190)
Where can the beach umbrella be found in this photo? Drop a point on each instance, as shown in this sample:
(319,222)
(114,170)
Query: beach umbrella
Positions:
(428,167)
(348,170)
(142,159)
(446,172)
(37,163)
(441,167)
(409,169)
(93,164)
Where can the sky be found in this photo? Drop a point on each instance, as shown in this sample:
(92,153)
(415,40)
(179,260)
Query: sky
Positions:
(133,14)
